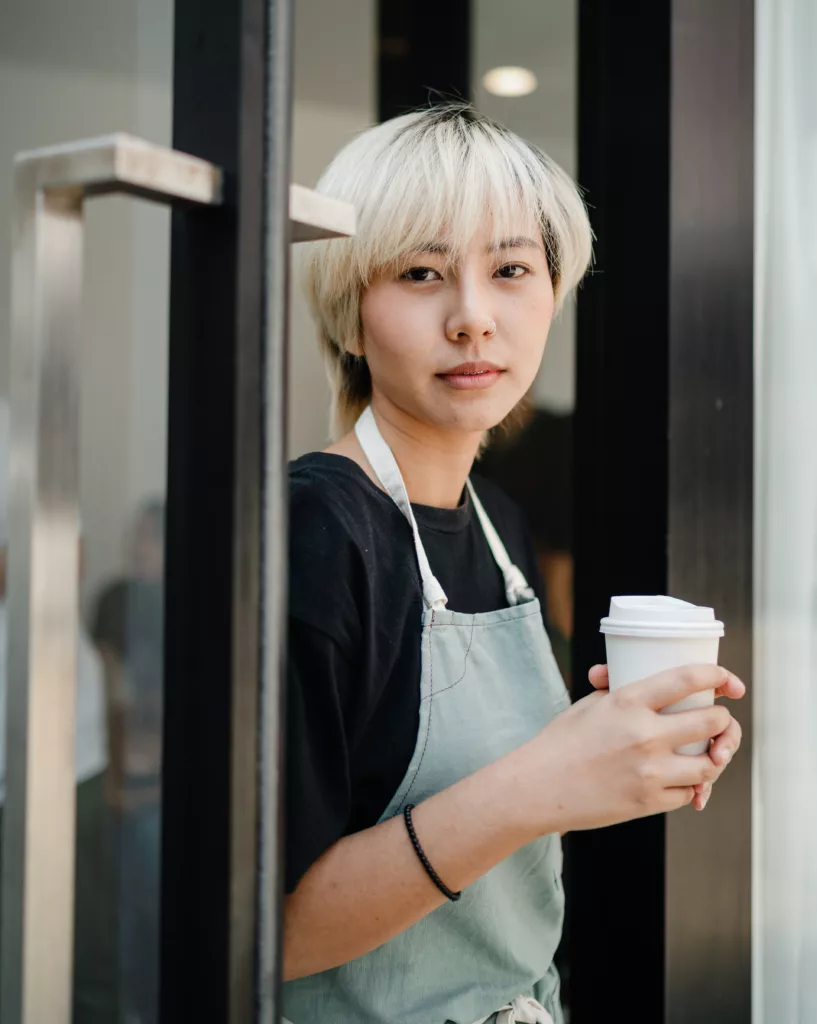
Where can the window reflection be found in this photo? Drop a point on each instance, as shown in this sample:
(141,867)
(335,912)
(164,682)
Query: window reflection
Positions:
(127,627)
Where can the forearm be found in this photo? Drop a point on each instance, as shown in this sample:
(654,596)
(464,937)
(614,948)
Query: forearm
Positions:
(370,886)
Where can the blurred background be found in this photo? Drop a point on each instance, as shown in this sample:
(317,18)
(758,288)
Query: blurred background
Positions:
(92,67)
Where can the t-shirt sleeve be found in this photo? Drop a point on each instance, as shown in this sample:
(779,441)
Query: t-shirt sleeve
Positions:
(323,685)
(318,786)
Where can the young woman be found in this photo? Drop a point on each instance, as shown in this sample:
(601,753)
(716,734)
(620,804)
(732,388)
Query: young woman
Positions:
(434,757)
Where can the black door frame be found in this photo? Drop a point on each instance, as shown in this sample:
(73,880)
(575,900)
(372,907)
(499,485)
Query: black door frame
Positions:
(417,65)
(226,522)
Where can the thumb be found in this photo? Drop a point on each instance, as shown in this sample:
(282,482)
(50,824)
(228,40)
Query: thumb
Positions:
(599,677)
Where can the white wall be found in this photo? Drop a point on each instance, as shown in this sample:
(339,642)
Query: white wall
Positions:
(542,37)
(69,71)
(335,97)
(784,691)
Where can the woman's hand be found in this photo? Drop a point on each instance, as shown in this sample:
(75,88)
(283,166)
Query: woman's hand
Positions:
(614,754)
(607,759)
(723,747)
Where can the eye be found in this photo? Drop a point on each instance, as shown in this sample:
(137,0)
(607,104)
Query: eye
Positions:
(511,271)
(421,275)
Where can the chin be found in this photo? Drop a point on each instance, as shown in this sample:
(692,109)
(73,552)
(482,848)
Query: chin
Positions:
(473,414)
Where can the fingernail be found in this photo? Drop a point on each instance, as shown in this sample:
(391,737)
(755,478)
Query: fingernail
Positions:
(703,805)
(726,757)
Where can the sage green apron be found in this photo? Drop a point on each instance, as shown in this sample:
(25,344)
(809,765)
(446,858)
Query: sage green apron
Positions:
(489,683)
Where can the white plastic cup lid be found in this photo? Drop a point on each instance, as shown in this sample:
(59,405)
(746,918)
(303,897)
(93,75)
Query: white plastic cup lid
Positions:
(660,616)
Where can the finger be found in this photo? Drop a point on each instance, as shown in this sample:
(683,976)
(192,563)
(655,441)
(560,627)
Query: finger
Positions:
(698,724)
(677,797)
(599,677)
(733,688)
(669,687)
(724,746)
(702,795)
(687,770)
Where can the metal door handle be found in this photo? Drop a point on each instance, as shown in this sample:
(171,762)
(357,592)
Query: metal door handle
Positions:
(39,818)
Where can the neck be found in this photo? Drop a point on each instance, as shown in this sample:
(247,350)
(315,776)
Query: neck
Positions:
(434,463)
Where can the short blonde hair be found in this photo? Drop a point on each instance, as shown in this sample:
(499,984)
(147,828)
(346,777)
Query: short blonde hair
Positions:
(412,180)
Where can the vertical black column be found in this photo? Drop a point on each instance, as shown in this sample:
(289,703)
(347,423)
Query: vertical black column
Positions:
(709,856)
(660,909)
(423,57)
(616,876)
(210,841)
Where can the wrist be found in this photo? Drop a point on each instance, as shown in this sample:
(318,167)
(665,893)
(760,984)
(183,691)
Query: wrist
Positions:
(522,794)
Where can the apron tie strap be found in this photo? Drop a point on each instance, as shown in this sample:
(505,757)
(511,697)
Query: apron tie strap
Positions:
(521,1010)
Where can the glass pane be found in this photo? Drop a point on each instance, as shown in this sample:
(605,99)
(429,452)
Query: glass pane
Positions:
(69,72)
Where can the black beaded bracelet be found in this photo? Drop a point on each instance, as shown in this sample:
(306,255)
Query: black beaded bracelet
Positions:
(432,874)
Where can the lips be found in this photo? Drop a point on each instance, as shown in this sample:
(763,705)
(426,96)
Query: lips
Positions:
(471,376)
(466,369)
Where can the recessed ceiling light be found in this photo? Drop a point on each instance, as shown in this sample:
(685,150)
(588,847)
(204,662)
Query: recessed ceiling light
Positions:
(509,81)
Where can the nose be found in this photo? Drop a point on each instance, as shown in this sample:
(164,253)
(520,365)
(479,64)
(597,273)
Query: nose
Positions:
(470,321)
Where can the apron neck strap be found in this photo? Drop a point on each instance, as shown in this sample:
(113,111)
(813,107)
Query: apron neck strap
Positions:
(382,460)
(516,586)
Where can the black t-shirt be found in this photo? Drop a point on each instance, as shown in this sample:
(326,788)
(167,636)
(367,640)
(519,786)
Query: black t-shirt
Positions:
(355,604)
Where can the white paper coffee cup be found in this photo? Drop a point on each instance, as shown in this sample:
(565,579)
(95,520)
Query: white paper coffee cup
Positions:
(647,635)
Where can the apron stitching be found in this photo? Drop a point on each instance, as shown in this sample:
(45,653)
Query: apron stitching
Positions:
(464,667)
(487,625)
(430,708)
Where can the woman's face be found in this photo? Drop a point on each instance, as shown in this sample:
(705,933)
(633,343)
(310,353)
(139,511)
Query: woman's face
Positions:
(457,347)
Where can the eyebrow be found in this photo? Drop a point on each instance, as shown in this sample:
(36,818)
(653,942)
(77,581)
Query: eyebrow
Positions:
(519,242)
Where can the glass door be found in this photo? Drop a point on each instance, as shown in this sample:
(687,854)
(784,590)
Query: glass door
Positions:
(140,375)
(84,441)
